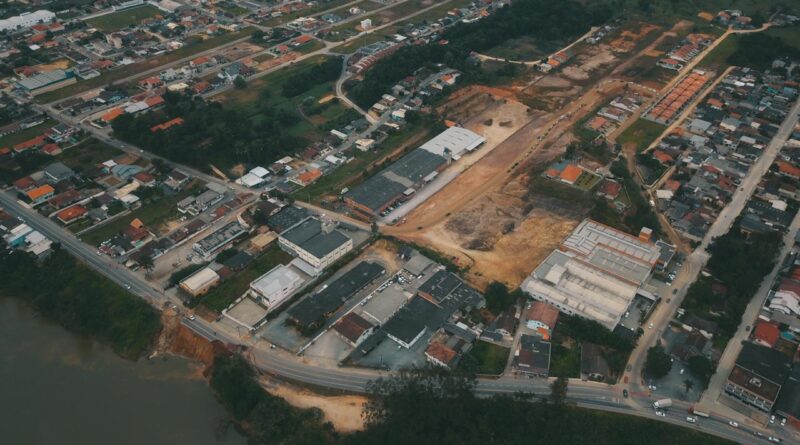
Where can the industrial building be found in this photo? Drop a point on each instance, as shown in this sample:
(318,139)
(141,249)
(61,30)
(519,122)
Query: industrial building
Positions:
(276,286)
(26,20)
(213,243)
(758,376)
(596,272)
(48,81)
(316,242)
(310,312)
(403,178)
(200,282)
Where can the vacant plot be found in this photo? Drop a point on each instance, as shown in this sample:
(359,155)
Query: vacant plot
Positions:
(87,153)
(28,133)
(320,6)
(485,358)
(123,19)
(232,288)
(345,30)
(641,133)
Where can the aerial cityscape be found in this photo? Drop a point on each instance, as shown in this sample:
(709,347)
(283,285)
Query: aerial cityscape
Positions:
(400,221)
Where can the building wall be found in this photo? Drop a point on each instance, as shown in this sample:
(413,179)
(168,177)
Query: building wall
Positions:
(317,263)
(748,397)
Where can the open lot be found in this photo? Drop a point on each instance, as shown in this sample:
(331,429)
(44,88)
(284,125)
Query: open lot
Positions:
(28,133)
(488,358)
(641,134)
(123,19)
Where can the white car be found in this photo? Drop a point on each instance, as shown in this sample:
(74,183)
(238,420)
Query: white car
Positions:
(733,424)
(650,326)
(773,439)
(661,413)
(783,421)
(691,419)
(193,317)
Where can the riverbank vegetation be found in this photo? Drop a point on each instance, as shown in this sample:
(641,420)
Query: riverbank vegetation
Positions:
(81,300)
(434,406)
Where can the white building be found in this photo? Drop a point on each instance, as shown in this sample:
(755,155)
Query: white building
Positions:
(453,142)
(596,273)
(200,282)
(26,20)
(276,286)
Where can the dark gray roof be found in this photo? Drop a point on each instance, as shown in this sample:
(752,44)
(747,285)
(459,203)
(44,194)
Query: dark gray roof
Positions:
(287,217)
(380,190)
(410,320)
(789,399)
(311,238)
(440,285)
(376,192)
(764,362)
(315,308)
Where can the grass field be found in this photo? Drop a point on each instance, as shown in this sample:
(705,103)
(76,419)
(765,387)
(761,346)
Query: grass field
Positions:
(487,358)
(359,168)
(87,153)
(221,296)
(345,30)
(196,46)
(321,6)
(123,19)
(642,133)
(28,133)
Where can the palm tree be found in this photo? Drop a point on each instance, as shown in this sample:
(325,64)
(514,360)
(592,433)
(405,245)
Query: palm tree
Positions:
(688,385)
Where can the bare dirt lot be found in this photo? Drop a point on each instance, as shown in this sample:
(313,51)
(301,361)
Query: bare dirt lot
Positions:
(344,412)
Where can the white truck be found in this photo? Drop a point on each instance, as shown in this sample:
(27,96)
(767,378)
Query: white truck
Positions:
(663,403)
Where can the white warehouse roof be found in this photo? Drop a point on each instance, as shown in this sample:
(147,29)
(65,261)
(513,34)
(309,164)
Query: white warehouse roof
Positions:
(200,280)
(456,139)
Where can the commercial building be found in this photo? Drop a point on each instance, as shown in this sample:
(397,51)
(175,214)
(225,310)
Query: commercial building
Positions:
(216,241)
(314,309)
(758,376)
(454,142)
(48,81)
(316,242)
(276,286)
(788,405)
(353,328)
(407,326)
(596,272)
(26,20)
(200,282)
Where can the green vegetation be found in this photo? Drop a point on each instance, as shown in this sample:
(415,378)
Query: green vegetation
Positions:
(573,331)
(641,133)
(194,45)
(565,361)
(232,288)
(82,301)
(498,298)
(540,19)
(363,164)
(254,125)
(123,19)
(701,368)
(640,213)
(654,167)
(657,364)
(264,417)
(485,358)
(431,406)
(28,133)
(760,50)
(320,6)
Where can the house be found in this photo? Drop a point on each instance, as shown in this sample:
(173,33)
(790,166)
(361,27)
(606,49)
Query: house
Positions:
(541,317)
(176,179)
(594,366)
(71,214)
(40,194)
(145,179)
(57,172)
(766,334)
(353,328)
(533,356)
(758,376)
(441,355)
(609,189)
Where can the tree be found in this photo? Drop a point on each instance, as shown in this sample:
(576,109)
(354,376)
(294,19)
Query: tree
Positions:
(688,385)
(658,363)
(498,298)
(146,261)
(239,83)
(701,368)
(558,390)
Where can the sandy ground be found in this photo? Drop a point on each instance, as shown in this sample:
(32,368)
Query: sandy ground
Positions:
(484,219)
(344,412)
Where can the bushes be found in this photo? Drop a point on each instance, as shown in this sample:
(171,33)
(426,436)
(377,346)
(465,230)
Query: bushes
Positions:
(658,363)
(81,300)
(305,80)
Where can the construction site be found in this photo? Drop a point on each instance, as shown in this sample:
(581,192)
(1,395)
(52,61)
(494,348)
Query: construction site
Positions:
(489,213)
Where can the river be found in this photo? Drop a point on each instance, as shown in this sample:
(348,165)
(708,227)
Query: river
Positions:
(59,388)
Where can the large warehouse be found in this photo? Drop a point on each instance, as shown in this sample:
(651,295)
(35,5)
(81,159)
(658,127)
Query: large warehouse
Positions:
(400,180)
(596,272)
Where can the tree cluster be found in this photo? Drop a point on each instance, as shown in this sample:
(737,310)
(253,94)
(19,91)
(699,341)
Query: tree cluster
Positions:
(303,81)
(210,133)
(658,363)
(79,299)
(544,20)
(759,50)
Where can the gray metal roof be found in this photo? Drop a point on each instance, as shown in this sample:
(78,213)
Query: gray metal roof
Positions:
(311,237)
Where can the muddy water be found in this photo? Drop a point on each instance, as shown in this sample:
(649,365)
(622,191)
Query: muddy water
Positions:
(58,388)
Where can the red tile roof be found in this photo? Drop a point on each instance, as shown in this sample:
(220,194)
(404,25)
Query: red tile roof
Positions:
(767,333)
(71,213)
